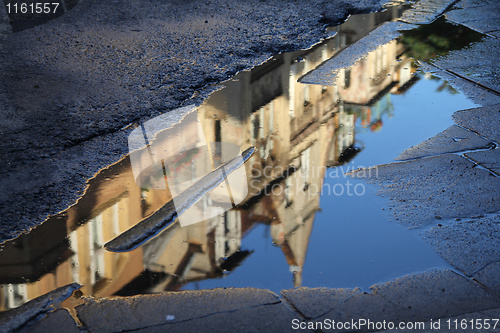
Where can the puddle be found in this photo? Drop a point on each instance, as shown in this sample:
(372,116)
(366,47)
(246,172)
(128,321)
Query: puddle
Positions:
(303,223)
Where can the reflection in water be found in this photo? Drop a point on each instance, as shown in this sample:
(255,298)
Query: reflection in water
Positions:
(299,131)
(202,198)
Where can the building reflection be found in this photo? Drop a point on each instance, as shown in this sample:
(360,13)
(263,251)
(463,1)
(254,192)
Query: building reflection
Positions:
(298,130)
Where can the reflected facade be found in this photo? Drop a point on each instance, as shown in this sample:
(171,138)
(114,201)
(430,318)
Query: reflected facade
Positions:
(298,130)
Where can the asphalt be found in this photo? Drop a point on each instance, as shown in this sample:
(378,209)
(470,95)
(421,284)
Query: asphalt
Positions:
(446,189)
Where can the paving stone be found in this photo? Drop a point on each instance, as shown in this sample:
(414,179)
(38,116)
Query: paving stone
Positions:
(426,11)
(59,320)
(269,318)
(478,63)
(471,14)
(489,159)
(326,74)
(128,313)
(434,294)
(490,277)
(423,191)
(453,139)
(468,245)
(471,90)
(341,305)
(484,121)
(325,299)
(486,26)
(482,16)
(495,33)
(480,3)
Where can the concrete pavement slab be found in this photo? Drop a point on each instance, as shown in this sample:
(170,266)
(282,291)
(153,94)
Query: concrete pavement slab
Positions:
(468,245)
(478,3)
(340,305)
(490,277)
(418,297)
(486,26)
(453,139)
(489,159)
(268,318)
(482,19)
(129,313)
(484,121)
(426,11)
(436,294)
(424,191)
(473,14)
(477,63)
(482,16)
(325,299)
(495,33)
(474,92)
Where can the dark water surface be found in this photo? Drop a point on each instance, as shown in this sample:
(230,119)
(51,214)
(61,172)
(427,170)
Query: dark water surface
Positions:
(303,222)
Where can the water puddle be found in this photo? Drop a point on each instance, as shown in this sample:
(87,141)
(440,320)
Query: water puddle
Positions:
(302,223)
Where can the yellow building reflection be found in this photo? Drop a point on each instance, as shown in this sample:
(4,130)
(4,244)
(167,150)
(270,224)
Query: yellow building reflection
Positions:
(298,130)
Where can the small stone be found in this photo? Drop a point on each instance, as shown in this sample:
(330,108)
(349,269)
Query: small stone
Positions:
(438,217)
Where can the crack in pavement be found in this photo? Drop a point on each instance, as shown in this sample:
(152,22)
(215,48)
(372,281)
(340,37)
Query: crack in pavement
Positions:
(290,303)
(497,145)
(490,146)
(290,307)
(453,73)
(205,316)
(480,166)
(484,267)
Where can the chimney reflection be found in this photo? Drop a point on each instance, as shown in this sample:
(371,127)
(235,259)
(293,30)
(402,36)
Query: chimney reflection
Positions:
(298,130)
